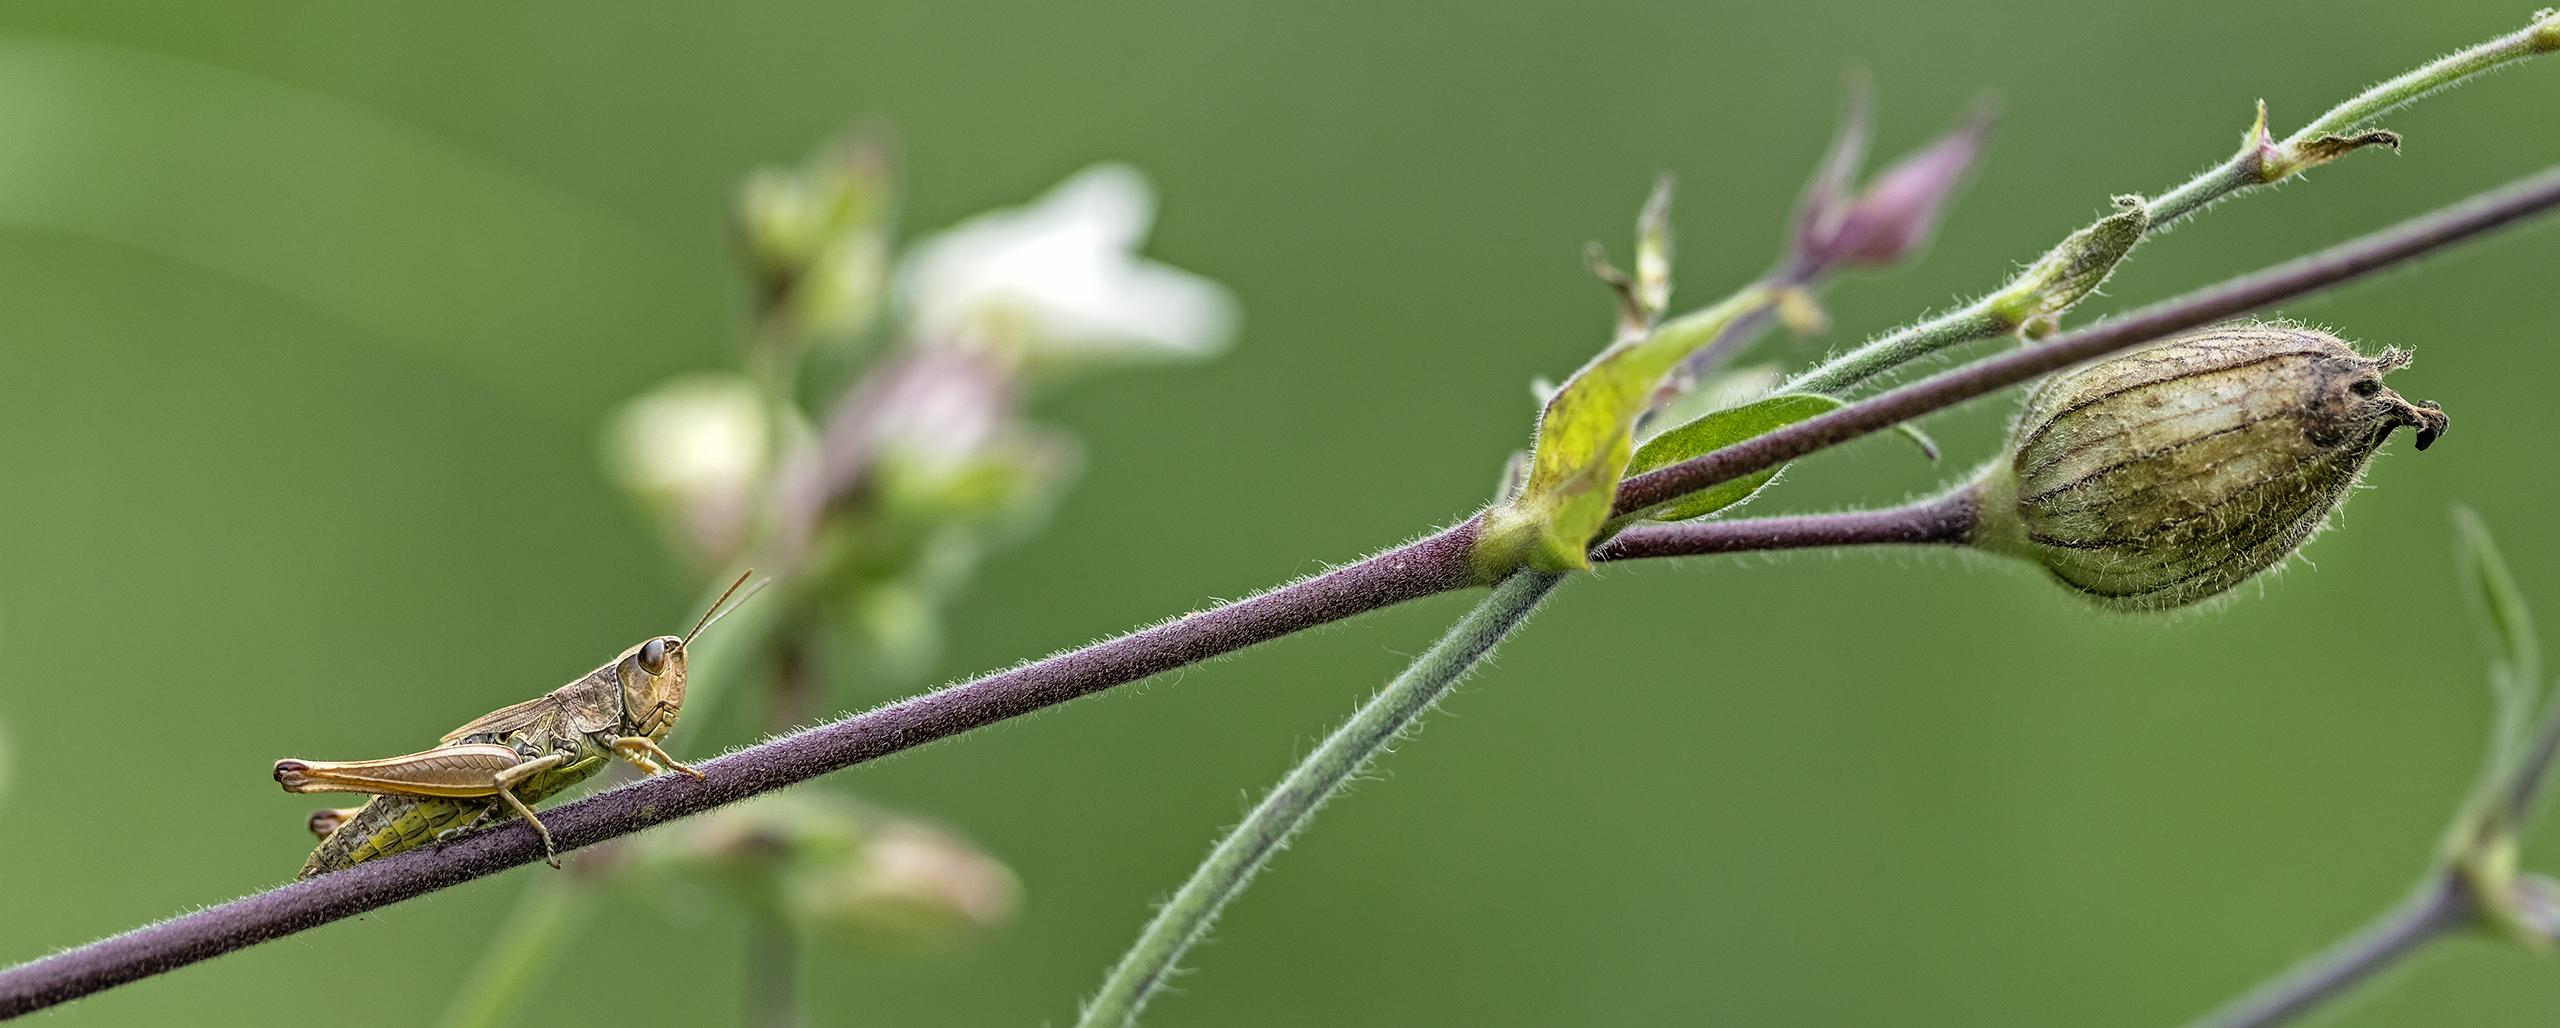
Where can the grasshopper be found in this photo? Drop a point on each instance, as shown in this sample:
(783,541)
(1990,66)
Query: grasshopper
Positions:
(506,760)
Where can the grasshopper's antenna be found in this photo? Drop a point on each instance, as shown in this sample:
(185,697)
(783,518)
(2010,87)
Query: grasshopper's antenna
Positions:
(712,616)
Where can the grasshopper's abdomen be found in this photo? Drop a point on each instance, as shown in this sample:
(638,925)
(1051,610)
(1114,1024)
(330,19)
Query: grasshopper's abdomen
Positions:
(396,824)
(388,825)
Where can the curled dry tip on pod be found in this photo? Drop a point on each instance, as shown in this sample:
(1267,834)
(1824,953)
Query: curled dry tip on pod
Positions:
(2169,475)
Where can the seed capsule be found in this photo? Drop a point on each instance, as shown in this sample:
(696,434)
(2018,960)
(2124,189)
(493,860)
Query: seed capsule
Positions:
(2169,475)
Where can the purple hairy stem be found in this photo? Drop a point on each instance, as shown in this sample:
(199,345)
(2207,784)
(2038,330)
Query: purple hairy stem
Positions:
(1945,520)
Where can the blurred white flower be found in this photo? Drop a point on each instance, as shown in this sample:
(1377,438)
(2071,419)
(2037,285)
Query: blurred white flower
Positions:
(694,450)
(1062,278)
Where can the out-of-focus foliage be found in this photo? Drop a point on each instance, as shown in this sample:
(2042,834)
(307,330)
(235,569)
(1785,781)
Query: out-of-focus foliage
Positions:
(870,515)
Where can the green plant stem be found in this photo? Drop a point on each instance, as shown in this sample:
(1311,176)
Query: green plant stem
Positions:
(1187,916)
(546,917)
(2244,171)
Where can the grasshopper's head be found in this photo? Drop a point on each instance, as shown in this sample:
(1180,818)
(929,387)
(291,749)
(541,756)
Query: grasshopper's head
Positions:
(652,686)
(652,673)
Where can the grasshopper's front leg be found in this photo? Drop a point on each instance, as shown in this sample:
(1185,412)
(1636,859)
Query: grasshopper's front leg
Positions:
(643,753)
(468,771)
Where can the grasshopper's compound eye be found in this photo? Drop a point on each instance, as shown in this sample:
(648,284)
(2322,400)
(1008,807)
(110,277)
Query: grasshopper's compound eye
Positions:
(653,656)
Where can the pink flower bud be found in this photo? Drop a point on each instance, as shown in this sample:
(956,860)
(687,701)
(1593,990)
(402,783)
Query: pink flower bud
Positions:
(1892,219)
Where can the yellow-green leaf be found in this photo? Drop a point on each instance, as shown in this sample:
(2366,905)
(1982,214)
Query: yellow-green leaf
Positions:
(1584,440)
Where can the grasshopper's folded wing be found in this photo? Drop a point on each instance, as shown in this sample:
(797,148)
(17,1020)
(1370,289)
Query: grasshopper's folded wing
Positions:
(460,771)
(507,719)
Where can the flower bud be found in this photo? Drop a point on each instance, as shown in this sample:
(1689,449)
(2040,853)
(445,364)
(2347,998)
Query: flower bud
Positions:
(2169,475)
(2034,301)
(1891,219)
(817,238)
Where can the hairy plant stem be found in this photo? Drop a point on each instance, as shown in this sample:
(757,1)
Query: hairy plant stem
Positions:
(1435,564)
(1287,809)
(1942,520)
(2247,168)
(1186,917)
(2253,166)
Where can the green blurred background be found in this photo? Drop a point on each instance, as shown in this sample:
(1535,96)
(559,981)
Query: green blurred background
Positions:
(309,314)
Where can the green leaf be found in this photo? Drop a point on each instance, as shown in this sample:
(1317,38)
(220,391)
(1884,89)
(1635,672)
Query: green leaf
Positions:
(1715,431)
(2506,632)
(1585,438)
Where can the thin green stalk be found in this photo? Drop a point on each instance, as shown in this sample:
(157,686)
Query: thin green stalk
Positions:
(546,917)
(1972,322)
(2246,168)
(1244,852)
(2258,163)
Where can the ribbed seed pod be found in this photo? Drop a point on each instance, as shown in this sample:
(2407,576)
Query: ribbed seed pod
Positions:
(2169,475)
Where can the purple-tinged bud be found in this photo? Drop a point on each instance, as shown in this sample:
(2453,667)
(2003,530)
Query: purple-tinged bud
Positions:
(1893,217)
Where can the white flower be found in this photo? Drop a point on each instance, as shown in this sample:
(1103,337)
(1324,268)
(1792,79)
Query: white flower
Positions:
(1062,277)
(695,451)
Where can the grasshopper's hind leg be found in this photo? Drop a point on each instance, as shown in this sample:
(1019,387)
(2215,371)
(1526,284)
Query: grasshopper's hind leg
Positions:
(643,753)
(507,782)
(327,819)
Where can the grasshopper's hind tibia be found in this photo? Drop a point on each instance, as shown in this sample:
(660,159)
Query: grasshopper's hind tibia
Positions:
(507,782)
(467,771)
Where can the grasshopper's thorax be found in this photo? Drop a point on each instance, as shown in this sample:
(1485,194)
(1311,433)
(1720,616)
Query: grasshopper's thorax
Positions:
(652,675)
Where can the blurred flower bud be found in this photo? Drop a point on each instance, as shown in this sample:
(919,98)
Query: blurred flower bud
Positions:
(1059,282)
(919,469)
(817,237)
(912,888)
(1892,219)
(2169,475)
(694,452)
(837,871)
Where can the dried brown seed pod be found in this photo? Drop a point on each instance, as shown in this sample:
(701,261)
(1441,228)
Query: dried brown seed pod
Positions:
(2171,474)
